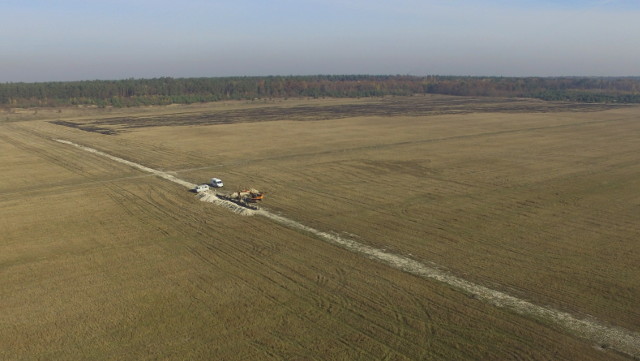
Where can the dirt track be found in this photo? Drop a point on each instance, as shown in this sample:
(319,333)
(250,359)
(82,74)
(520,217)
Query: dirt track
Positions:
(617,338)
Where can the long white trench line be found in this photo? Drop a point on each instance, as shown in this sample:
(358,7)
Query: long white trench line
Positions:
(617,338)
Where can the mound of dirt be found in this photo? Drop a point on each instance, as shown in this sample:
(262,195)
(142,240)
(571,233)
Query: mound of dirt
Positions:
(211,197)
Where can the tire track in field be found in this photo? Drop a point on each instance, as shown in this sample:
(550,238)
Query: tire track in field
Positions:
(411,142)
(47,156)
(276,274)
(160,174)
(279,272)
(617,338)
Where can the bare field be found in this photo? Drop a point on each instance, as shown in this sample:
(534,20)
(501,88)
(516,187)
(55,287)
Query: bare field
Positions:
(102,261)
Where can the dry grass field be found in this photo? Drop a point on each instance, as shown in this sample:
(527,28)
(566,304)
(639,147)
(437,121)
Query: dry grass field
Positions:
(99,260)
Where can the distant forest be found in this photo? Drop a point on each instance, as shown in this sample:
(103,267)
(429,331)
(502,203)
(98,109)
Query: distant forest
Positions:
(162,91)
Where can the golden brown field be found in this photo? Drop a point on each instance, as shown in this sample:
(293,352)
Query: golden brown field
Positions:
(99,260)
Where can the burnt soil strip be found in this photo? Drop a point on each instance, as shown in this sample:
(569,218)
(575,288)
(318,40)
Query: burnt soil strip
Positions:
(86,127)
(407,106)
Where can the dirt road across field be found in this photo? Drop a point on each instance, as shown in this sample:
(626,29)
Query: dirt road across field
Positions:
(620,339)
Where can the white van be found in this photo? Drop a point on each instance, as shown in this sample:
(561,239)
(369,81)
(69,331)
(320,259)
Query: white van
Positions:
(201,188)
(216,183)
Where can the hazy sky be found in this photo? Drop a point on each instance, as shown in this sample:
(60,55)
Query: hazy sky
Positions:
(49,40)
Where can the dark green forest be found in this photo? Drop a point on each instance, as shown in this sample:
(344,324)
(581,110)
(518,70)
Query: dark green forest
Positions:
(162,91)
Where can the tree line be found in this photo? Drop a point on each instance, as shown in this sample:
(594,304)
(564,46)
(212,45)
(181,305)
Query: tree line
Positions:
(166,90)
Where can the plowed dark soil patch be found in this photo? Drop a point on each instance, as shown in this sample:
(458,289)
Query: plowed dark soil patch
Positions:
(85,127)
(405,106)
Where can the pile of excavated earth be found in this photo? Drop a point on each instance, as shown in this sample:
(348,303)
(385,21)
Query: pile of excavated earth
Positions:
(212,197)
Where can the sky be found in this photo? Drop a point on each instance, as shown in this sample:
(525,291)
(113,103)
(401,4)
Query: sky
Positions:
(65,40)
